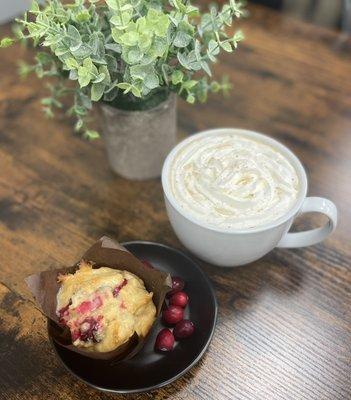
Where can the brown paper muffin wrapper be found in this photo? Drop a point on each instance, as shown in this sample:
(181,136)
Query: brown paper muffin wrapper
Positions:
(104,253)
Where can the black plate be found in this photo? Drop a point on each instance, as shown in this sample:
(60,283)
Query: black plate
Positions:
(149,370)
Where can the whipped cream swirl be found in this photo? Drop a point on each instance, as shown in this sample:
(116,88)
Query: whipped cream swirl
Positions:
(229,181)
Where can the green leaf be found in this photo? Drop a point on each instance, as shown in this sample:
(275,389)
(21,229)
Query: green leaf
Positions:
(192,10)
(178,4)
(177,77)
(82,16)
(145,41)
(116,34)
(75,38)
(34,7)
(206,68)
(197,50)
(121,20)
(101,77)
(151,81)
(162,26)
(213,47)
(89,65)
(71,63)
(159,47)
(158,21)
(79,125)
(61,50)
(238,36)
(39,71)
(124,86)
(104,70)
(83,51)
(174,20)
(189,61)
(182,39)
(116,20)
(148,58)
(84,77)
(6,42)
(185,26)
(134,56)
(202,90)
(113,4)
(24,69)
(226,46)
(91,135)
(141,71)
(52,40)
(97,91)
(46,101)
(113,47)
(189,84)
(127,13)
(127,87)
(48,112)
(73,75)
(174,3)
(215,87)
(182,58)
(190,99)
(111,63)
(84,100)
(136,92)
(44,58)
(96,43)
(126,7)
(129,38)
(226,14)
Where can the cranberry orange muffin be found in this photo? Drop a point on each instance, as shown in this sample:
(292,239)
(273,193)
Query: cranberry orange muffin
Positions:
(103,307)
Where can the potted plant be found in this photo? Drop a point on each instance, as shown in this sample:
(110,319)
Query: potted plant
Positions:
(133,57)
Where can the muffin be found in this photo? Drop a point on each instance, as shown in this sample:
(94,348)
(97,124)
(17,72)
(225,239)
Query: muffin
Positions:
(103,307)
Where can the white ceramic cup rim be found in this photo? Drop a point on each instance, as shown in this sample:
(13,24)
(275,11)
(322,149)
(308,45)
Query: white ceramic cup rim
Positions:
(250,134)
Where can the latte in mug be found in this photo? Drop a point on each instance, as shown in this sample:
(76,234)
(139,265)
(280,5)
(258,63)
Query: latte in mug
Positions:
(230,181)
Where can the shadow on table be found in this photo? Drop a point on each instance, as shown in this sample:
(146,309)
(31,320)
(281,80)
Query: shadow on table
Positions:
(238,288)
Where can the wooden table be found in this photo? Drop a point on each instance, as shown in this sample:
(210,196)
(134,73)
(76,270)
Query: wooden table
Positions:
(284,328)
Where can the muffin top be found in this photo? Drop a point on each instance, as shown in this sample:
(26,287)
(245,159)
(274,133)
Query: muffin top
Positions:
(103,307)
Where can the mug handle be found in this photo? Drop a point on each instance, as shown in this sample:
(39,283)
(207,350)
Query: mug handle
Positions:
(313,236)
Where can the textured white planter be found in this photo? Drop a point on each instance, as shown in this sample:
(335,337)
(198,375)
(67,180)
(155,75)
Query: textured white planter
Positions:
(137,142)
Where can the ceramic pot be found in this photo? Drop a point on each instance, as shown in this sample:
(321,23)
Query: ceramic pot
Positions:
(137,142)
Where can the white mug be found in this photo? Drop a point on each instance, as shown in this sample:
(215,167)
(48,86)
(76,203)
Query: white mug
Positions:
(230,247)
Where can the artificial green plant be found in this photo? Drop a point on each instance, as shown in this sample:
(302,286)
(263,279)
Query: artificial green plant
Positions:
(130,53)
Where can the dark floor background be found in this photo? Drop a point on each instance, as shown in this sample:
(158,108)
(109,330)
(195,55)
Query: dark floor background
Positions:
(270,3)
(330,13)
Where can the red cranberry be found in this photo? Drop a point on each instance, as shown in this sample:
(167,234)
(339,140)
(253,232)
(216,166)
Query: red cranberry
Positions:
(179,299)
(183,329)
(118,288)
(172,315)
(63,313)
(90,329)
(177,285)
(89,306)
(147,264)
(164,340)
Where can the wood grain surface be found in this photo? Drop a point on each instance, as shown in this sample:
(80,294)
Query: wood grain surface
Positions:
(284,329)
